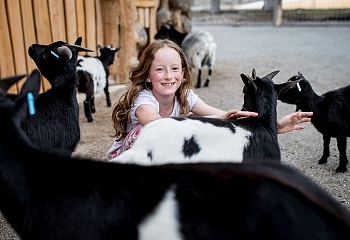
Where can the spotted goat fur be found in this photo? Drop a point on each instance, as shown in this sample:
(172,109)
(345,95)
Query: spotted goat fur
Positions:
(196,139)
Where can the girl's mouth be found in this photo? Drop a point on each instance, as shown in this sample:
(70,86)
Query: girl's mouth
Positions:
(167,84)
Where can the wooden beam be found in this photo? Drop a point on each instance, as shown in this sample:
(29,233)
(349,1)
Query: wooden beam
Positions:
(57,20)
(80,13)
(43,29)
(90,27)
(71,21)
(99,25)
(111,11)
(128,50)
(6,60)
(28,31)
(15,23)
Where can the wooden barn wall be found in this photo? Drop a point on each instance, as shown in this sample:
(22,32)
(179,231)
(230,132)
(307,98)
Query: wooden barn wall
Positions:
(99,22)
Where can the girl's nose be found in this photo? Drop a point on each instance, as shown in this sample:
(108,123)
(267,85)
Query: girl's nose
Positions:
(168,74)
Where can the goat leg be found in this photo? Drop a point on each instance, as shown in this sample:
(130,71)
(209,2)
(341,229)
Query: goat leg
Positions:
(87,111)
(92,105)
(199,78)
(108,100)
(326,141)
(208,79)
(343,161)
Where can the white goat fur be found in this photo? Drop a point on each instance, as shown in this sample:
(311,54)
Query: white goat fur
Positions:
(173,133)
(95,67)
(200,49)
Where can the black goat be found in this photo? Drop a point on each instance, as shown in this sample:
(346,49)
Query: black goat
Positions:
(331,114)
(124,201)
(51,197)
(55,126)
(195,139)
(92,77)
(198,46)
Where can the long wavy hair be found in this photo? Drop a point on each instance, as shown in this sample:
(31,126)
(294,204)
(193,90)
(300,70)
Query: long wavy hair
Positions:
(138,76)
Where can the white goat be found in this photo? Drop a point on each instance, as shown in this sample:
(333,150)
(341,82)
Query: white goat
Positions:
(200,50)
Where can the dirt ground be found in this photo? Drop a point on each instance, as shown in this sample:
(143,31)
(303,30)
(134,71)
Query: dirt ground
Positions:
(322,54)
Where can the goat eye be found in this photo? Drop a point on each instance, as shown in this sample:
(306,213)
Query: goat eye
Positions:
(45,57)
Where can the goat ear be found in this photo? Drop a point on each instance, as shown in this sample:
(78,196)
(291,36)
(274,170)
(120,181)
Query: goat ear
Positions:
(78,41)
(6,83)
(32,84)
(271,75)
(249,82)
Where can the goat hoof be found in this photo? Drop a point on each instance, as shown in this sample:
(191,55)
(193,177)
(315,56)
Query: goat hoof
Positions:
(93,110)
(341,169)
(90,119)
(109,103)
(198,86)
(322,161)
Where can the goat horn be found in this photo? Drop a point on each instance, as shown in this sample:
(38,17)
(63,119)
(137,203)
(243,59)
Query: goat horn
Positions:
(253,74)
(272,74)
(65,51)
(78,48)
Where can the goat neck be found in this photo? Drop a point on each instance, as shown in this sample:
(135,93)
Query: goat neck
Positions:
(257,93)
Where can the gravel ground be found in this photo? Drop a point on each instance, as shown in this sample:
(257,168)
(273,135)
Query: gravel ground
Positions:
(322,54)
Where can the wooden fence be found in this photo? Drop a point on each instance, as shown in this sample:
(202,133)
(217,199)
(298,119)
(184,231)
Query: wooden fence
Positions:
(99,22)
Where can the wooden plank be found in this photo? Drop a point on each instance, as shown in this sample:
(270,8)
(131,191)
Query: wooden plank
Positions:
(146,18)
(146,3)
(127,40)
(90,27)
(43,28)
(152,24)
(71,21)
(99,25)
(111,13)
(6,59)
(57,20)
(81,20)
(28,30)
(15,23)
(141,16)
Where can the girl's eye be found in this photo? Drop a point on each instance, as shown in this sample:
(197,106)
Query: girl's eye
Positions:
(159,69)
(176,69)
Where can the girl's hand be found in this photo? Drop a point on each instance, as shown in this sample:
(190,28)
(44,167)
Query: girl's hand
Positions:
(290,121)
(236,114)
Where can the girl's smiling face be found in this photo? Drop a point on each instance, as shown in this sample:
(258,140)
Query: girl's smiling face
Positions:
(166,72)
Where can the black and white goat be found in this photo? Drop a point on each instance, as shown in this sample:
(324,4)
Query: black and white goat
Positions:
(92,77)
(331,114)
(55,126)
(195,139)
(199,48)
(51,197)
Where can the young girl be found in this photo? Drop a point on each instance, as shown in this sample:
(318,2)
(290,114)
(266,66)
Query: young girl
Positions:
(161,86)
